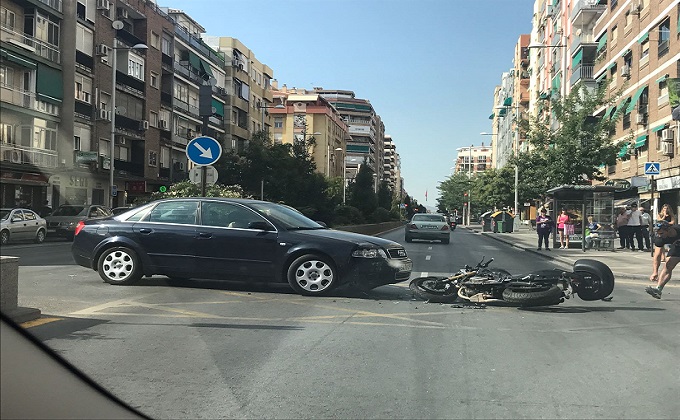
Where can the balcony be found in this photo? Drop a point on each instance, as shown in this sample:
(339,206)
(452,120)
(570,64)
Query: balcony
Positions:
(28,155)
(582,72)
(130,168)
(54,4)
(198,43)
(585,13)
(185,107)
(582,40)
(25,99)
(187,73)
(29,43)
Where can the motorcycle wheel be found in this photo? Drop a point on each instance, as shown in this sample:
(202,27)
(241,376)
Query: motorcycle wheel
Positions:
(523,297)
(433,289)
(598,279)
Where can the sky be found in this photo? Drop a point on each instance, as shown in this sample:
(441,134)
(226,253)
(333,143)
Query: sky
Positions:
(428,67)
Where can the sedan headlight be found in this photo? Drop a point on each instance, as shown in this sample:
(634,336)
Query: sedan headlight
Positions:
(369,253)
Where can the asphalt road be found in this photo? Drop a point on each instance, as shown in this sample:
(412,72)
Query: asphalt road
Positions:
(228,350)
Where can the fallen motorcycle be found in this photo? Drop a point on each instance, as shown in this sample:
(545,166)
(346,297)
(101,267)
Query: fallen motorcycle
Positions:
(589,279)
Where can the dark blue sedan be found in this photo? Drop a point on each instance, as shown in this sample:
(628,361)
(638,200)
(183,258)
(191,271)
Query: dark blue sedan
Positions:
(235,239)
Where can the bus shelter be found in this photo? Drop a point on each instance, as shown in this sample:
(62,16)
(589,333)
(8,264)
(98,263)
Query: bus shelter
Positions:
(581,201)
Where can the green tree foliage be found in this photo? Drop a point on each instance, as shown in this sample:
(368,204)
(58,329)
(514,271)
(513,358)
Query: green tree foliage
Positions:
(385,196)
(452,192)
(189,189)
(573,153)
(363,196)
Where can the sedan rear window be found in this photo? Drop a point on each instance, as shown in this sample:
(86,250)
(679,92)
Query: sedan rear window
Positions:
(428,218)
(70,211)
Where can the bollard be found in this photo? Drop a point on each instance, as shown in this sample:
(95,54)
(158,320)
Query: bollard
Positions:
(9,292)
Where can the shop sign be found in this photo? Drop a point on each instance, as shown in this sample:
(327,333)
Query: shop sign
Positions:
(77,181)
(670,183)
(619,184)
(86,157)
(136,187)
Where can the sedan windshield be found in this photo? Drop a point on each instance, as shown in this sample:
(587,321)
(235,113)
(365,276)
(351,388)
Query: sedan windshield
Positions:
(286,216)
(70,211)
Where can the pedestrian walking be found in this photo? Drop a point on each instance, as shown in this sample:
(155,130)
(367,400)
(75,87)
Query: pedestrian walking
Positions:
(622,227)
(562,221)
(646,227)
(665,215)
(593,231)
(634,228)
(544,225)
(665,234)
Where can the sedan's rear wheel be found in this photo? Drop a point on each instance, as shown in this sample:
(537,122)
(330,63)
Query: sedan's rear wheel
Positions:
(312,275)
(4,237)
(40,236)
(119,266)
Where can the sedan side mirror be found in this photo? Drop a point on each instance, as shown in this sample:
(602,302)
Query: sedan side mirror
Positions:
(260,225)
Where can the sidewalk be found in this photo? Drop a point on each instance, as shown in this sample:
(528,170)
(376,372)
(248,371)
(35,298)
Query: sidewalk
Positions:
(634,265)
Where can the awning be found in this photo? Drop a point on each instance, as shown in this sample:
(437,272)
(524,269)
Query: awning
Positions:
(611,65)
(662,78)
(194,61)
(618,108)
(206,68)
(18,59)
(625,53)
(633,101)
(602,42)
(640,141)
(507,101)
(658,128)
(624,150)
(608,113)
(502,112)
(625,202)
(219,107)
(49,86)
(602,76)
(577,59)
(544,95)
(643,38)
(491,116)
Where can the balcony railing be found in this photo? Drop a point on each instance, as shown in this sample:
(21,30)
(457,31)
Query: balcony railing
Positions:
(55,4)
(40,48)
(25,99)
(583,72)
(29,155)
(586,6)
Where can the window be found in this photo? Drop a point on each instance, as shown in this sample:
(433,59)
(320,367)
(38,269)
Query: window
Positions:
(43,28)
(6,133)
(182,92)
(278,122)
(664,37)
(615,35)
(278,138)
(153,79)
(76,143)
(155,40)
(644,51)
(663,92)
(84,40)
(83,88)
(153,156)
(6,76)
(181,212)
(7,18)
(166,45)
(227,215)
(134,107)
(136,67)
(153,119)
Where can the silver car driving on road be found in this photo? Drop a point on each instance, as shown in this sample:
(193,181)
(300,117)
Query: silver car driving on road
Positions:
(428,226)
(21,224)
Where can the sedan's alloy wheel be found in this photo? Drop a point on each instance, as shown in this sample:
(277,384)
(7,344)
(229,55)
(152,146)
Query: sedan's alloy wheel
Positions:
(119,266)
(314,276)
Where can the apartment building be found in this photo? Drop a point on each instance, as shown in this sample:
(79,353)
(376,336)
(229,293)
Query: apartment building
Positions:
(473,159)
(249,81)
(33,145)
(299,115)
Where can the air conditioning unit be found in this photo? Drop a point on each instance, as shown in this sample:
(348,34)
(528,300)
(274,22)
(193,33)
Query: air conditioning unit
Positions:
(667,134)
(122,13)
(104,115)
(634,8)
(144,125)
(102,49)
(162,124)
(640,120)
(625,71)
(667,149)
(121,141)
(103,4)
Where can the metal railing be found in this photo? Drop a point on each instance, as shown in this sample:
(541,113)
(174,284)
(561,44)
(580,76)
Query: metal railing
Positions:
(41,48)
(29,155)
(25,99)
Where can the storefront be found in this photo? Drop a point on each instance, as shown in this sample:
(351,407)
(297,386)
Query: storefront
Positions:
(23,189)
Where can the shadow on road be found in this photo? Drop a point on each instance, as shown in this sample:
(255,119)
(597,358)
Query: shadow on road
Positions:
(583,309)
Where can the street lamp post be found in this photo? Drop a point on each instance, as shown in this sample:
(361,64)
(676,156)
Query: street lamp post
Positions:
(112,150)
(469,185)
(263,108)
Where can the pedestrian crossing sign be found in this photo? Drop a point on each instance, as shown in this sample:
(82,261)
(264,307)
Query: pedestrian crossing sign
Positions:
(652,168)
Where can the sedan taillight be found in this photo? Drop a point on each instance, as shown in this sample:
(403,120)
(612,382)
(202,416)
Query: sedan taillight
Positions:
(79,227)
(445,227)
(412,226)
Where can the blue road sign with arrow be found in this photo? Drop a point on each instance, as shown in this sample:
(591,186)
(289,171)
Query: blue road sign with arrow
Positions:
(652,168)
(204,150)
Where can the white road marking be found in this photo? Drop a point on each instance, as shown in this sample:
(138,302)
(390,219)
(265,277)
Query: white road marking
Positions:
(428,257)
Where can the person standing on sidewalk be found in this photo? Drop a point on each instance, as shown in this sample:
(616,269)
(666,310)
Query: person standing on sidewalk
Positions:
(622,227)
(635,227)
(646,227)
(593,232)
(665,234)
(544,225)
(562,220)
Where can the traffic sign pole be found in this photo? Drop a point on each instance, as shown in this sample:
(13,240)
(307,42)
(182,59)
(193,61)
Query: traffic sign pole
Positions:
(203,180)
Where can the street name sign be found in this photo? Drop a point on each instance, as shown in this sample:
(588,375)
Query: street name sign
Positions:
(204,150)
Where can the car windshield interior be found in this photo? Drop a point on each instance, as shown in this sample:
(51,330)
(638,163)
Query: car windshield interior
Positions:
(70,211)
(286,216)
(428,218)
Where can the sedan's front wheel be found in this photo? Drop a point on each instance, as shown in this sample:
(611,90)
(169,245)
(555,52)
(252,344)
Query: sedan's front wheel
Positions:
(312,275)
(119,266)
(40,236)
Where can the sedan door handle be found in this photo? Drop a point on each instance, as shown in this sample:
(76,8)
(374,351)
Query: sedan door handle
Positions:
(145,230)
(205,235)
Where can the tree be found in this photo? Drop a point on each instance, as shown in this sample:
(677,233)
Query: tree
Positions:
(362,194)
(385,196)
(453,192)
(575,152)
(189,189)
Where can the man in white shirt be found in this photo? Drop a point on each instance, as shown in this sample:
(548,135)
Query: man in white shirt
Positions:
(646,227)
(635,227)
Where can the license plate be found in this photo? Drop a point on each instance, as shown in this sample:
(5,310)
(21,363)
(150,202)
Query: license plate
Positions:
(407,266)
(429,227)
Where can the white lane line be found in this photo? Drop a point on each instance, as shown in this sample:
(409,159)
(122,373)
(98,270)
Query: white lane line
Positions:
(428,257)
(429,248)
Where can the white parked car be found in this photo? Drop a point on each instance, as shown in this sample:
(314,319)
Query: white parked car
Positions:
(21,224)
